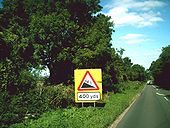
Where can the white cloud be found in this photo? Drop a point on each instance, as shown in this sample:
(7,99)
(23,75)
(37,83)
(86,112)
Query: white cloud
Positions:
(133,38)
(141,5)
(135,13)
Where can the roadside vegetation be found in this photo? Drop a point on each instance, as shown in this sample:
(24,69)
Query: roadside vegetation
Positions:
(60,36)
(98,117)
(160,69)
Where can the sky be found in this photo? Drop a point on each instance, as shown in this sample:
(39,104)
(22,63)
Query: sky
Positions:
(142,27)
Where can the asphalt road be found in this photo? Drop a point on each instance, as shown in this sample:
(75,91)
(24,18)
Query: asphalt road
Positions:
(151,110)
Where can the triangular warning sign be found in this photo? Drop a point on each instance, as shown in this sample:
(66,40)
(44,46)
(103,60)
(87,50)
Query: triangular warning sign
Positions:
(88,83)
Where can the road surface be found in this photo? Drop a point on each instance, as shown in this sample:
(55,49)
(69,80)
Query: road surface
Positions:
(151,110)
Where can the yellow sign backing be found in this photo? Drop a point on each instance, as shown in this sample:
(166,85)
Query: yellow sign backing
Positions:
(88,85)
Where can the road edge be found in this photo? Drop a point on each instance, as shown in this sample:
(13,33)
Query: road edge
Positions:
(119,118)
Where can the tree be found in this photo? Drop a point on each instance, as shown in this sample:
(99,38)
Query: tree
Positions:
(60,35)
(69,37)
(127,68)
(17,52)
(161,67)
(138,73)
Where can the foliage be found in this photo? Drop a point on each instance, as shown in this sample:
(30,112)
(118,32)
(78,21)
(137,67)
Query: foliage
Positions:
(127,68)
(59,35)
(87,117)
(15,82)
(138,73)
(32,104)
(161,67)
(62,36)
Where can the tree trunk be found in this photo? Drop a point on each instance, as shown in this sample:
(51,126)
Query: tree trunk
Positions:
(60,72)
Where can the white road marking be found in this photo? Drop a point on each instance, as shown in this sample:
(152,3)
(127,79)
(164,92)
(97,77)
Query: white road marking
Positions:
(153,86)
(166,99)
(160,94)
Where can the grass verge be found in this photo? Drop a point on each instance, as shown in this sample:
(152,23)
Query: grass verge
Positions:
(99,117)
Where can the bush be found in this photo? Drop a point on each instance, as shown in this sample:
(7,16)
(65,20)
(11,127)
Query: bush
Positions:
(8,111)
(30,105)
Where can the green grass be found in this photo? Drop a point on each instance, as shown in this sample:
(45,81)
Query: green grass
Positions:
(86,117)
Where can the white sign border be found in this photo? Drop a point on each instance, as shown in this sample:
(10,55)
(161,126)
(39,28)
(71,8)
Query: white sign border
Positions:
(98,93)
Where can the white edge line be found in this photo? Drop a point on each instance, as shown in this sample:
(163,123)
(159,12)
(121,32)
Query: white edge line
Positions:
(160,94)
(120,117)
(153,86)
(166,99)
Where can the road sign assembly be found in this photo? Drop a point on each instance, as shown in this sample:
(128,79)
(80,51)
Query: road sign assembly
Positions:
(88,85)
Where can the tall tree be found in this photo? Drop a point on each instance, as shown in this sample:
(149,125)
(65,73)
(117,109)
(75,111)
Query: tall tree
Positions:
(14,33)
(71,36)
(138,73)
(161,67)
(61,35)
(127,68)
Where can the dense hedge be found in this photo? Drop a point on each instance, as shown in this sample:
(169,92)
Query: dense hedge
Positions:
(16,108)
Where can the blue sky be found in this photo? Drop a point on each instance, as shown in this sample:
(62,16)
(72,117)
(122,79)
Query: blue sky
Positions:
(142,27)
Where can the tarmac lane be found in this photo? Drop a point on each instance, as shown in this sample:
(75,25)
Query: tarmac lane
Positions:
(150,110)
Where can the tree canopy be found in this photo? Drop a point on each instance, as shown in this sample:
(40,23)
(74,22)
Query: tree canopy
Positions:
(59,35)
(161,67)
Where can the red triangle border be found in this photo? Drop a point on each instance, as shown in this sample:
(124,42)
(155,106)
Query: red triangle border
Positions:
(79,89)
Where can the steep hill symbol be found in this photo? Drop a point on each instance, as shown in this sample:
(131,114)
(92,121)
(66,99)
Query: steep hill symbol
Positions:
(88,83)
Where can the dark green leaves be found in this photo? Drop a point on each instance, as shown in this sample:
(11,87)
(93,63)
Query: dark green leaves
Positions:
(161,67)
